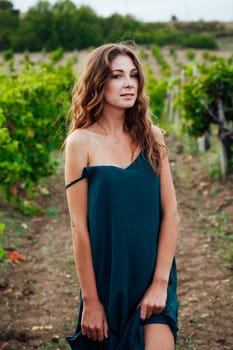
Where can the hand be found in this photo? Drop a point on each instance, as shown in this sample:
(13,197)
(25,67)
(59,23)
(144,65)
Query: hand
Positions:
(94,322)
(154,300)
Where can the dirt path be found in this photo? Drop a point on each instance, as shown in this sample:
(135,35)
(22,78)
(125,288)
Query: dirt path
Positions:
(39,297)
(205,276)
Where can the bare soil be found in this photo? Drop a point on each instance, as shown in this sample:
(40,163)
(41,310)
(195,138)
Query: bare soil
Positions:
(39,296)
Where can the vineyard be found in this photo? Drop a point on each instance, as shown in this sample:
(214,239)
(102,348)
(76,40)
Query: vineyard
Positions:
(191,98)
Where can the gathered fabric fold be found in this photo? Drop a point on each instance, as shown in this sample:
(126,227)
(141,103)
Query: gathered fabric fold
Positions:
(132,338)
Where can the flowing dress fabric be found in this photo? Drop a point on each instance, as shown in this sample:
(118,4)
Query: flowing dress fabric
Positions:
(124,216)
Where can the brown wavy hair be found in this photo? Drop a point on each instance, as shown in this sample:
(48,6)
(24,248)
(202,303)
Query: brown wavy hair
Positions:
(88,96)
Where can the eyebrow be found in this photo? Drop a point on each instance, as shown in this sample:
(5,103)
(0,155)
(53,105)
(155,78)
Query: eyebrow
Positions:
(122,70)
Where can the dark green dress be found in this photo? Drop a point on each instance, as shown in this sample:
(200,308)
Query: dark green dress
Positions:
(124,216)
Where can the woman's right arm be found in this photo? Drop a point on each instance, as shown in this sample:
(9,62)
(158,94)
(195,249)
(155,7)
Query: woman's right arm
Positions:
(94,323)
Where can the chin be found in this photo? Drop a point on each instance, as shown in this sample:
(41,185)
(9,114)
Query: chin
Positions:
(130,104)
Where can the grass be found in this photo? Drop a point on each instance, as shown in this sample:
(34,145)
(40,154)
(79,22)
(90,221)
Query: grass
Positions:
(16,234)
(211,161)
(186,343)
(51,212)
(57,344)
(219,228)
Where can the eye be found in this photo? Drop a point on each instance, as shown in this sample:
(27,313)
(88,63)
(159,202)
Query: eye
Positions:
(116,76)
(135,75)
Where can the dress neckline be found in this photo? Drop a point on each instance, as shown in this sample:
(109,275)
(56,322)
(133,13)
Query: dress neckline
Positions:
(116,166)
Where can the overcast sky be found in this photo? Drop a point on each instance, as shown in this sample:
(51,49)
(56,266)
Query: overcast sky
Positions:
(154,10)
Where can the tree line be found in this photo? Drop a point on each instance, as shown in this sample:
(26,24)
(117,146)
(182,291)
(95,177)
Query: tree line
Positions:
(63,24)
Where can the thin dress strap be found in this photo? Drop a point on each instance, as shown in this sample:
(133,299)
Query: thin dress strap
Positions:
(76,180)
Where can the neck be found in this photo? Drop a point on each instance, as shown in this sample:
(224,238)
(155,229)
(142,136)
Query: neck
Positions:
(112,121)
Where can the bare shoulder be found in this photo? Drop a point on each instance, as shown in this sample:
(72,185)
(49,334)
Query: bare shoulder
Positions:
(158,134)
(78,138)
(76,147)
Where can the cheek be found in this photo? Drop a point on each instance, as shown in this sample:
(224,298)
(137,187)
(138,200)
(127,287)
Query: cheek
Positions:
(107,93)
(110,89)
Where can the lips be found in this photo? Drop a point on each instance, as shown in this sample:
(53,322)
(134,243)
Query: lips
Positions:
(127,95)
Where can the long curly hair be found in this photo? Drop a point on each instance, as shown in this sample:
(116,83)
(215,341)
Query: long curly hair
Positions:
(88,96)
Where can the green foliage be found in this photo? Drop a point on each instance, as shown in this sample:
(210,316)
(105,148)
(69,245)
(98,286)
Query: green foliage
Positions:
(158,55)
(201,94)
(172,51)
(200,41)
(26,56)
(9,20)
(63,24)
(157,33)
(8,54)
(230,60)
(2,251)
(4,4)
(195,113)
(89,29)
(143,54)
(190,54)
(56,55)
(207,56)
(32,125)
(156,89)
(214,27)
(207,98)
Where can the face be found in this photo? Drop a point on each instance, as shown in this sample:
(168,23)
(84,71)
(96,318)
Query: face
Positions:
(122,85)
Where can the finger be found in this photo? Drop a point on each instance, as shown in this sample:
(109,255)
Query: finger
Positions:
(94,335)
(105,329)
(88,333)
(157,310)
(100,334)
(143,312)
(95,332)
(83,331)
(149,314)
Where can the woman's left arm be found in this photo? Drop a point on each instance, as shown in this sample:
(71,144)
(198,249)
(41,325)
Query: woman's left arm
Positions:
(154,300)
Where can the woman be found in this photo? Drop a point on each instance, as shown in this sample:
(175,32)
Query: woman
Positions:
(123,210)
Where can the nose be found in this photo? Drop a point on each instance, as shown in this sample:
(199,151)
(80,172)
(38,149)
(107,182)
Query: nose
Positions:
(128,82)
